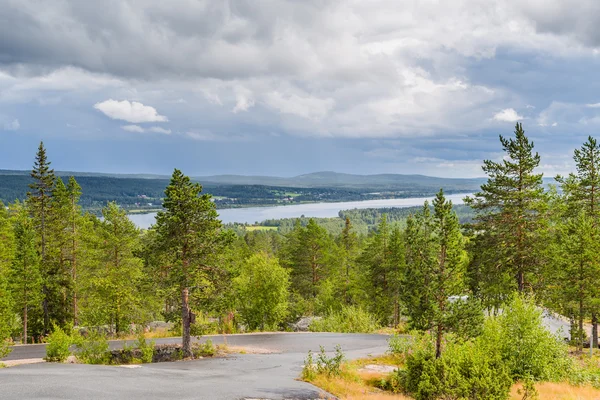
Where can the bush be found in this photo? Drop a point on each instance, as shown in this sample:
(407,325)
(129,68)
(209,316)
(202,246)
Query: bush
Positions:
(330,366)
(206,349)
(146,349)
(529,350)
(5,348)
(350,319)
(93,349)
(57,349)
(464,371)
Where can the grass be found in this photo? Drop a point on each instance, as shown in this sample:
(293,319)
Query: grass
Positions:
(559,391)
(354,384)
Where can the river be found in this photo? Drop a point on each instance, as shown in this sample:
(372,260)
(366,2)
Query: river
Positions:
(253,215)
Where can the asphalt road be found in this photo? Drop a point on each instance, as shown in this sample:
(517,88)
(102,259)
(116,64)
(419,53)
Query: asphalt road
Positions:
(248,376)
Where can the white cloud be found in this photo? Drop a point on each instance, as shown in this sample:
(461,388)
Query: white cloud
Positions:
(508,115)
(133,128)
(125,110)
(158,129)
(305,106)
(594,105)
(243,99)
(14,125)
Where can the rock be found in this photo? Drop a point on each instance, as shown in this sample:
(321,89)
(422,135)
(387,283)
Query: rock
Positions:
(303,324)
(384,369)
(72,360)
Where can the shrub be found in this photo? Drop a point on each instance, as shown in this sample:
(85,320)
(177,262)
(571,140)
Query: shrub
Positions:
(5,348)
(324,365)
(146,349)
(350,319)
(59,341)
(529,350)
(206,349)
(93,349)
(403,345)
(464,371)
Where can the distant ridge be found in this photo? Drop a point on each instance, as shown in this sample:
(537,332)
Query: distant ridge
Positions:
(311,180)
(341,180)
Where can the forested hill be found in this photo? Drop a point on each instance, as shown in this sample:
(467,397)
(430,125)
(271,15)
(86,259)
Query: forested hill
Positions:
(338,180)
(145,192)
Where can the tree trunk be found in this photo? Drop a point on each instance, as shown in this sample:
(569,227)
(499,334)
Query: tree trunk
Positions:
(594,330)
(185,322)
(521,281)
(25,323)
(438,341)
(581,334)
(46,311)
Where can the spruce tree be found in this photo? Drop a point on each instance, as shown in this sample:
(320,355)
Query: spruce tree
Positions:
(509,213)
(190,234)
(39,201)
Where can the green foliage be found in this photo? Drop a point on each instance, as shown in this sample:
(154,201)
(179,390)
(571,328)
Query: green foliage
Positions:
(93,349)
(262,292)
(350,319)
(206,349)
(527,348)
(114,273)
(464,371)
(190,241)
(146,348)
(324,364)
(510,215)
(58,344)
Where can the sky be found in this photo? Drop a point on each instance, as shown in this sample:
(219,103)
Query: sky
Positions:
(286,87)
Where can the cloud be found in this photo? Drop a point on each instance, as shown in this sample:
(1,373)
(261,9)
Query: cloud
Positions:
(594,105)
(139,129)
(508,115)
(243,100)
(158,129)
(133,128)
(125,110)
(14,125)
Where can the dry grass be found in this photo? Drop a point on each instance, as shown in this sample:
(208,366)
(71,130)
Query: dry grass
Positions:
(349,389)
(560,391)
(361,385)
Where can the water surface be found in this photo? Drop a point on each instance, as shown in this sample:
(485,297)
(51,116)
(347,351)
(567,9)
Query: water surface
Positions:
(253,215)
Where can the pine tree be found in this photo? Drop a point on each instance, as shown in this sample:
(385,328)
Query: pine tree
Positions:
(348,243)
(7,253)
(58,279)
(582,193)
(113,291)
(576,276)
(436,260)
(509,212)
(25,277)
(39,200)
(75,220)
(190,231)
(308,252)
(382,258)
